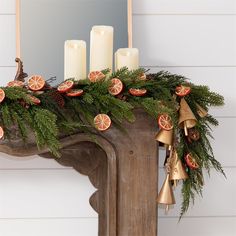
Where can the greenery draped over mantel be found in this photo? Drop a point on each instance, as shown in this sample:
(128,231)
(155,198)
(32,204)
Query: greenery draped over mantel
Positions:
(58,114)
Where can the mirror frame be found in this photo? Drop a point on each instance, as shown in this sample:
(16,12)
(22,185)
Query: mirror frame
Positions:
(18,31)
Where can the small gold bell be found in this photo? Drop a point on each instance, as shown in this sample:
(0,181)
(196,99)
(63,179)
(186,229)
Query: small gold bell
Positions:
(165,136)
(177,170)
(187,119)
(166,195)
(201,112)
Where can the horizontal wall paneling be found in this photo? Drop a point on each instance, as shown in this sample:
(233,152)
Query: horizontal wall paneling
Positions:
(44,193)
(192,40)
(7,6)
(184,7)
(49,227)
(220,226)
(7,40)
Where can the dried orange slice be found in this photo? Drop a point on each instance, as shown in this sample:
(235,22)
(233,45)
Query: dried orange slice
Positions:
(33,99)
(75,92)
(1,133)
(36,82)
(191,162)
(15,83)
(65,86)
(143,76)
(2,95)
(182,90)
(95,76)
(137,92)
(116,87)
(102,122)
(165,122)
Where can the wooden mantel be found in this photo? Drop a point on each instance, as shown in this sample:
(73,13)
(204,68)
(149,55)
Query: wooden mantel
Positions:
(123,167)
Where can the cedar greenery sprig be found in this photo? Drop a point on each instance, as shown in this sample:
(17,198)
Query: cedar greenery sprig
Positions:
(50,120)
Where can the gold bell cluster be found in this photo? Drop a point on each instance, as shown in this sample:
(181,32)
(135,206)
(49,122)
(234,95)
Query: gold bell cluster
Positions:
(175,169)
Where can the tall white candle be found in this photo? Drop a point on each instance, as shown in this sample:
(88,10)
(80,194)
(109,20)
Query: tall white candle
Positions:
(101,47)
(75,59)
(127,57)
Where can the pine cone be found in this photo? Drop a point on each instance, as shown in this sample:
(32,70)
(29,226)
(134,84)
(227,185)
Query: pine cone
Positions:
(57,97)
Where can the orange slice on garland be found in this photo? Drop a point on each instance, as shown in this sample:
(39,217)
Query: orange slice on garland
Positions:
(143,76)
(191,162)
(75,92)
(2,95)
(96,76)
(1,133)
(65,86)
(182,90)
(102,122)
(116,87)
(137,92)
(15,83)
(165,122)
(36,82)
(33,99)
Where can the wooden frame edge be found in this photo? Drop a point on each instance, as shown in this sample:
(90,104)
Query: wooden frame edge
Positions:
(18,51)
(130,23)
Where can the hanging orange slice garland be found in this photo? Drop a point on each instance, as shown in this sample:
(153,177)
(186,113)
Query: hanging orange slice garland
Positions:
(95,76)
(191,162)
(65,86)
(15,83)
(137,92)
(1,133)
(165,122)
(116,87)
(102,122)
(2,96)
(75,92)
(33,99)
(36,83)
(142,76)
(182,90)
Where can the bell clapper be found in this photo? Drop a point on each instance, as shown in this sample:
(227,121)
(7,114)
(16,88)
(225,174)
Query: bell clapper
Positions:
(185,129)
(175,183)
(167,209)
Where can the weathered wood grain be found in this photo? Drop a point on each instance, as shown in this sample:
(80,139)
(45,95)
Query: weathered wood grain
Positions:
(123,167)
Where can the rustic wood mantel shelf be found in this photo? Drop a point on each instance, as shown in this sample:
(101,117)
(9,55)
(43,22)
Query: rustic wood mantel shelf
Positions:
(122,167)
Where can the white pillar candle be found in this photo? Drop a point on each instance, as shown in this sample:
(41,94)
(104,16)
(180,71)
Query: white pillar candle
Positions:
(75,59)
(127,57)
(101,48)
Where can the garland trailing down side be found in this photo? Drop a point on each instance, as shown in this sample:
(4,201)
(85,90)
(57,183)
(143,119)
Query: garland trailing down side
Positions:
(179,106)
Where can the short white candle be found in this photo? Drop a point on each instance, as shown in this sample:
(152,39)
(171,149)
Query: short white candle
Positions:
(127,57)
(75,59)
(101,48)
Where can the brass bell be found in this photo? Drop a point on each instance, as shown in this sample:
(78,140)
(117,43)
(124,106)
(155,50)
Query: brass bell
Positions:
(177,170)
(166,195)
(165,136)
(187,119)
(201,111)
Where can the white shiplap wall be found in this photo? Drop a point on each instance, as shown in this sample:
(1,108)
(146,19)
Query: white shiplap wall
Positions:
(196,38)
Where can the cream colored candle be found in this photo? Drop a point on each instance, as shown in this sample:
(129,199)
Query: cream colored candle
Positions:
(75,59)
(101,47)
(127,57)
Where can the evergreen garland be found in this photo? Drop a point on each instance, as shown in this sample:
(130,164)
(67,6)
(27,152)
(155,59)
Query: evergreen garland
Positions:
(49,119)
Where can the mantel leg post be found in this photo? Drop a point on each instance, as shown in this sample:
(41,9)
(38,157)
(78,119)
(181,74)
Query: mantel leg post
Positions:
(137,179)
